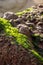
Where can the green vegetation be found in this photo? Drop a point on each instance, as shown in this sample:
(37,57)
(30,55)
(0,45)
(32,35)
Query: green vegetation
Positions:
(12,31)
(37,38)
(37,55)
(25,11)
(20,38)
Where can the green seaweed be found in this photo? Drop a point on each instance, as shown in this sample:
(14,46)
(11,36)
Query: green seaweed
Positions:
(12,31)
(21,39)
(25,11)
(37,55)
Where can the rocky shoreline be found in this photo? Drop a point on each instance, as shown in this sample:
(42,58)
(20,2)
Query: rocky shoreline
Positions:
(29,23)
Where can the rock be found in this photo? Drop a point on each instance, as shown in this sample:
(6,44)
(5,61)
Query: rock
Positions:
(10,15)
(20,20)
(30,24)
(17,21)
(13,54)
(25,30)
(41,12)
(14,23)
(40,5)
(24,18)
(39,27)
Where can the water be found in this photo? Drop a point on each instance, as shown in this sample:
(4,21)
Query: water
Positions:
(38,1)
(14,5)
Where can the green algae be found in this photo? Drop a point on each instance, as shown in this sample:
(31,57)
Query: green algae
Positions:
(38,56)
(25,11)
(20,38)
(12,31)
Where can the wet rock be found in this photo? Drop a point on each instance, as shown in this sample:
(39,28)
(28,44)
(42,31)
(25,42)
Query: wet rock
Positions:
(25,30)
(39,27)
(30,25)
(31,17)
(10,15)
(14,23)
(24,18)
(20,25)
(34,7)
(41,12)
(28,17)
(40,5)
(27,22)
(21,20)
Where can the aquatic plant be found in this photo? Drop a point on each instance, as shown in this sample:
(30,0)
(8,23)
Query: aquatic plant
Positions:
(20,38)
(25,11)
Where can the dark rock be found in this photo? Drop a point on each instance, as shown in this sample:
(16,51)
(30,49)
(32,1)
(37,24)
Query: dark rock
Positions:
(39,27)
(14,23)
(12,54)
(25,30)
(10,15)
(30,24)
(40,5)
(24,18)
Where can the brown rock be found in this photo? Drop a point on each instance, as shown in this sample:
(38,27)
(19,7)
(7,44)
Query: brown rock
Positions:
(10,15)
(13,54)
(25,30)
(39,27)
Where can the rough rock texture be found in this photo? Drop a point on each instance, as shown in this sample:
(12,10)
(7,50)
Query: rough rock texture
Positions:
(14,54)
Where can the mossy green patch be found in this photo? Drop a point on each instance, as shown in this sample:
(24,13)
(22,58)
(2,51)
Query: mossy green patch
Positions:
(37,55)
(25,11)
(18,37)
(12,31)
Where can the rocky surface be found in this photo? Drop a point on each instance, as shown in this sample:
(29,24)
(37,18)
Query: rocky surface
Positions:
(14,54)
(28,24)
(31,22)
